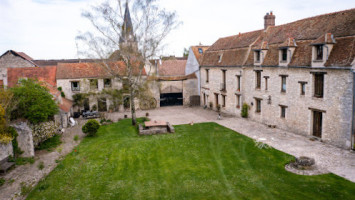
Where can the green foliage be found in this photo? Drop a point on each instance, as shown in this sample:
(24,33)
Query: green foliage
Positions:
(62,94)
(35,103)
(60,88)
(76,138)
(203,161)
(50,143)
(22,161)
(91,127)
(2,181)
(94,107)
(245,109)
(79,99)
(186,52)
(25,189)
(5,137)
(14,134)
(41,165)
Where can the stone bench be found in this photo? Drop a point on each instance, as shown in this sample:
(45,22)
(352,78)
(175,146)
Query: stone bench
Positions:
(5,165)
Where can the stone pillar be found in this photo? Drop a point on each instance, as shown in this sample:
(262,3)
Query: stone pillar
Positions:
(24,139)
(6,151)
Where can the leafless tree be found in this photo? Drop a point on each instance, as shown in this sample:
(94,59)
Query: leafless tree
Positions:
(123,37)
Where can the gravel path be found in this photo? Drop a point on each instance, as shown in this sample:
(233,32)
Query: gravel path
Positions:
(327,157)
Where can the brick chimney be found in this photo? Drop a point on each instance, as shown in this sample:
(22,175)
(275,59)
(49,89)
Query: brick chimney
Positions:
(269,20)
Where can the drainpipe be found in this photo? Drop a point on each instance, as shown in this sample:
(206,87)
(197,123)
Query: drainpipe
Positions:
(352,134)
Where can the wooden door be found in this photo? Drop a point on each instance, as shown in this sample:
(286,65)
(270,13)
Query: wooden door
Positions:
(317,124)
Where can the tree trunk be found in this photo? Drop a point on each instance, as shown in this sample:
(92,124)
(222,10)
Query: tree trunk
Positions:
(133,108)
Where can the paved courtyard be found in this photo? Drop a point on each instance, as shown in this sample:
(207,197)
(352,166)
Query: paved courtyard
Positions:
(328,157)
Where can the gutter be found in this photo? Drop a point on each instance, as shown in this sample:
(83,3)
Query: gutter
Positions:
(352,134)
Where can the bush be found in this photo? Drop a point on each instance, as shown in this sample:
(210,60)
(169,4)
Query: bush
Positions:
(245,109)
(34,102)
(91,127)
(62,94)
(211,105)
(50,143)
(94,107)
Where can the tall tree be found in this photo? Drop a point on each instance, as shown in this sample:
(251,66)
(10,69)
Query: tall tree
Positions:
(129,39)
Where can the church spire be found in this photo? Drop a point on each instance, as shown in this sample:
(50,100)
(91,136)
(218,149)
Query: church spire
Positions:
(127,35)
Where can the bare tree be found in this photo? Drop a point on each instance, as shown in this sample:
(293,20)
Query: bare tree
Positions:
(125,43)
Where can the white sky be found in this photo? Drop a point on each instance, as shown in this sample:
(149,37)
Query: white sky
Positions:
(46,29)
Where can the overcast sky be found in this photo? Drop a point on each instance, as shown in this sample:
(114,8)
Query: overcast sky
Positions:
(46,29)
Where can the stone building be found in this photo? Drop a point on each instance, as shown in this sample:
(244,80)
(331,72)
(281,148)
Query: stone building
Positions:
(194,62)
(297,76)
(175,86)
(13,59)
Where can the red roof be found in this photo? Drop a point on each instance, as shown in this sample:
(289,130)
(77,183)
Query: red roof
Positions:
(93,70)
(196,50)
(66,105)
(325,29)
(172,68)
(46,74)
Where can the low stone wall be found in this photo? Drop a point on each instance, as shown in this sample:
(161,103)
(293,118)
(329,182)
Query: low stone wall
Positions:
(24,138)
(6,151)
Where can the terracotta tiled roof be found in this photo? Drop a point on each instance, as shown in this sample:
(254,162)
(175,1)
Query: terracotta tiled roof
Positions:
(289,42)
(22,54)
(172,67)
(174,78)
(323,29)
(196,51)
(46,74)
(65,105)
(327,38)
(343,52)
(92,70)
(43,63)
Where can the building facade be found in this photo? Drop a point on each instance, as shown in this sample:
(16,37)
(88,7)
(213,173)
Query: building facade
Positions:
(298,76)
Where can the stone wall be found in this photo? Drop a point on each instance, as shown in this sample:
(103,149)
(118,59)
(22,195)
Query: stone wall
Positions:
(190,88)
(192,66)
(24,138)
(6,150)
(11,61)
(336,103)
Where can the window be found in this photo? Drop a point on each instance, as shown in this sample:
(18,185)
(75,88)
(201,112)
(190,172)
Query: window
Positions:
(284,55)
(318,85)
(94,84)
(319,52)
(238,100)
(266,82)
(223,85)
(258,105)
(216,100)
(258,79)
(200,51)
(303,87)
(283,111)
(257,56)
(107,83)
(283,83)
(223,100)
(220,58)
(207,76)
(238,83)
(75,86)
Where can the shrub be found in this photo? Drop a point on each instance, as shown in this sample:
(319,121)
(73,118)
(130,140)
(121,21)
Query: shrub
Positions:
(62,94)
(41,165)
(2,181)
(91,127)
(245,109)
(94,107)
(50,143)
(218,107)
(43,131)
(76,138)
(60,88)
(34,102)
(211,105)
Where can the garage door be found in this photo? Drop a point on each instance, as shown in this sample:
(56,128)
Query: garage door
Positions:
(171,99)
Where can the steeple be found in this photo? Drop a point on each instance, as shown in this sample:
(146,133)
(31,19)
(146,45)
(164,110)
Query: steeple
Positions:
(127,36)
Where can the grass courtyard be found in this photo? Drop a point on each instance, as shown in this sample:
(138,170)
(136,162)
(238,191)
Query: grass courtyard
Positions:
(203,161)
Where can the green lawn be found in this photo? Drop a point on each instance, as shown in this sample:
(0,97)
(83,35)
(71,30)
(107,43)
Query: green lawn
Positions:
(203,161)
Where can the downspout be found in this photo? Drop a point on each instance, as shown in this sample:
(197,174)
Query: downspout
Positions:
(352,134)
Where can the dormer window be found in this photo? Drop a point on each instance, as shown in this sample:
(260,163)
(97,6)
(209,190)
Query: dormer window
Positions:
(257,56)
(319,52)
(200,51)
(284,55)
(220,58)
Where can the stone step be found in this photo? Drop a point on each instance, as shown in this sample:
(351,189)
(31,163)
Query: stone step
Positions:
(5,166)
